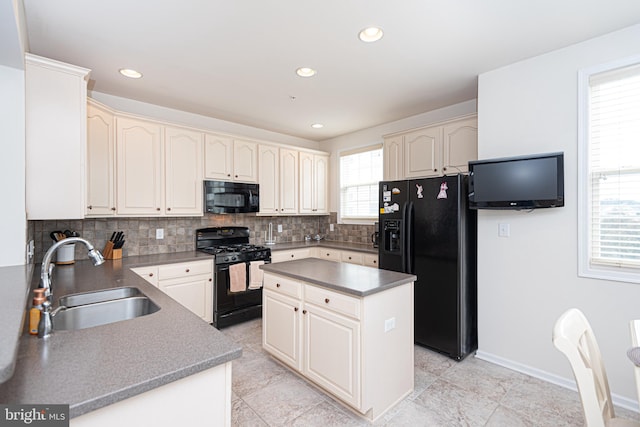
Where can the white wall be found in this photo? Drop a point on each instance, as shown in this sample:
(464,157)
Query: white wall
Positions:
(374,135)
(527,280)
(189,119)
(13,227)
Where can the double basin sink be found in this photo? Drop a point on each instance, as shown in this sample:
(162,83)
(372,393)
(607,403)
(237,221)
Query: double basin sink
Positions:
(89,309)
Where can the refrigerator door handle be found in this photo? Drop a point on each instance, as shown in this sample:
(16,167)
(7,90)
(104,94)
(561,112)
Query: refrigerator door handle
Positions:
(408,237)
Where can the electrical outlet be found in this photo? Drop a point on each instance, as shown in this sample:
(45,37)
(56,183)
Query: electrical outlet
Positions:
(279,228)
(504,230)
(159,233)
(30,251)
(389,324)
(330,227)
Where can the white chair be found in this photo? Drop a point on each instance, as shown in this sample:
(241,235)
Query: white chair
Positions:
(572,335)
(634,327)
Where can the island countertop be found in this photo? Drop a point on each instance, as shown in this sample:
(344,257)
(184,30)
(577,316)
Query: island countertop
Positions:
(348,278)
(95,367)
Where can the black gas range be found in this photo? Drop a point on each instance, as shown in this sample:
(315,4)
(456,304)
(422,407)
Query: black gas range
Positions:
(233,302)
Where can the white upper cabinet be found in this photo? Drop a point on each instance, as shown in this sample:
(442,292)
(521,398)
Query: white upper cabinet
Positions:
(289,181)
(183,171)
(393,158)
(460,144)
(423,153)
(245,161)
(56,138)
(278,180)
(269,179)
(140,167)
(101,150)
(443,149)
(314,170)
(230,160)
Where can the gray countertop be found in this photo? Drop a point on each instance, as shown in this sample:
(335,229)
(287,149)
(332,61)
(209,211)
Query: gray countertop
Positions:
(92,368)
(352,279)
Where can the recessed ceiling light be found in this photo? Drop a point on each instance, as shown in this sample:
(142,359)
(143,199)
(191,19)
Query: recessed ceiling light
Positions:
(370,34)
(317,125)
(132,74)
(305,72)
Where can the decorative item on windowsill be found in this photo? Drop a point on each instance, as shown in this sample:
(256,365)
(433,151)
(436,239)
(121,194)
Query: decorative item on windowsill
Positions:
(113,248)
(268,236)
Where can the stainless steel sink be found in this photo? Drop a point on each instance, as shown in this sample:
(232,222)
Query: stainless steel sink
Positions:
(99,311)
(73,300)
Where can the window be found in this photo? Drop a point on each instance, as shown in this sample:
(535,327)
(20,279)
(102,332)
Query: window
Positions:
(609,179)
(360,172)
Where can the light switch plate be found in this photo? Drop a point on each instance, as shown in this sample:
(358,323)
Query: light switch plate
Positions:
(330,227)
(159,233)
(389,324)
(279,228)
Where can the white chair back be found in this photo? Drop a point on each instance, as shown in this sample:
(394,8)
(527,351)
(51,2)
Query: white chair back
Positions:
(572,335)
(634,327)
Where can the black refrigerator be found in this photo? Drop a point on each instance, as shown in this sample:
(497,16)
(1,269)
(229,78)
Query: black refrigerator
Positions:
(427,229)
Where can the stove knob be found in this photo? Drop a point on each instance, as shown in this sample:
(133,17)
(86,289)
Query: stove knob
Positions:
(234,258)
(226,259)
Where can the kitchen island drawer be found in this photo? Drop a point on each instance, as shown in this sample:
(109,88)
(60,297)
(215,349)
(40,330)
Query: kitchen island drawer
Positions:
(184,269)
(283,285)
(335,301)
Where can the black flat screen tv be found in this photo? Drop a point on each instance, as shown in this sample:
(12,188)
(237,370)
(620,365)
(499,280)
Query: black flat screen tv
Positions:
(523,182)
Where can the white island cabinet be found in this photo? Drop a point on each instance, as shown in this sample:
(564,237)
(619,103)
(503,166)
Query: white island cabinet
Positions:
(347,328)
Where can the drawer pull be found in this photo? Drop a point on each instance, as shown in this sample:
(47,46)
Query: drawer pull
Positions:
(187,270)
(295,308)
(349,257)
(304,311)
(210,279)
(277,285)
(326,300)
(328,254)
(150,274)
(292,255)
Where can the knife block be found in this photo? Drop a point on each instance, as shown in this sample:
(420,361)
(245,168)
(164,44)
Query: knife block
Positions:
(109,253)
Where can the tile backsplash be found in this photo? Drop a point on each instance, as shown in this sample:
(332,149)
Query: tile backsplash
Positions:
(140,233)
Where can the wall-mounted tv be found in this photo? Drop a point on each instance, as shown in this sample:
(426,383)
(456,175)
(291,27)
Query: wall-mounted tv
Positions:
(523,182)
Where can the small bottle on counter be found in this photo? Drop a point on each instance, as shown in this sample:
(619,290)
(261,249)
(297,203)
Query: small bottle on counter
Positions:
(34,313)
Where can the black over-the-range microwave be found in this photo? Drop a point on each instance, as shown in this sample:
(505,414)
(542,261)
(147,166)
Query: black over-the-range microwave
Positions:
(231,197)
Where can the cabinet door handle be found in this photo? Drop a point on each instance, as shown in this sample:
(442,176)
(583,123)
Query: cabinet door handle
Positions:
(157,209)
(210,279)
(168,209)
(349,257)
(229,174)
(375,262)
(326,300)
(435,170)
(277,285)
(187,270)
(89,207)
(304,311)
(292,255)
(328,254)
(295,308)
(150,274)
(113,209)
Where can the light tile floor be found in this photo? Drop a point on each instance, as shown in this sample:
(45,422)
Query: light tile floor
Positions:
(447,393)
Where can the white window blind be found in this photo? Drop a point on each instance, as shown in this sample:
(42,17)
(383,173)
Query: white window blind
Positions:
(360,172)
(613,184)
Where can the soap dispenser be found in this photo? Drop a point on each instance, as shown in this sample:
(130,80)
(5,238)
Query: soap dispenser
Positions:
(34,313)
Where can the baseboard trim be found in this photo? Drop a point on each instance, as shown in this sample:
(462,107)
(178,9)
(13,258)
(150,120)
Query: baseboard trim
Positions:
(569,383)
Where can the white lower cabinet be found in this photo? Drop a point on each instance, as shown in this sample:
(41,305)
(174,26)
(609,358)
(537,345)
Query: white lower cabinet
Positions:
(292,254)
(189,283)
(359,349)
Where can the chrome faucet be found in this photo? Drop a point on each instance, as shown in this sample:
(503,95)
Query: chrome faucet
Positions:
(45,325)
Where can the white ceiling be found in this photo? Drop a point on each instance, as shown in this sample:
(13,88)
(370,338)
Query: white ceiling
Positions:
(235,60)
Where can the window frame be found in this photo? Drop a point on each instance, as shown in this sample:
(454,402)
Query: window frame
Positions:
(585,268)
(349,151)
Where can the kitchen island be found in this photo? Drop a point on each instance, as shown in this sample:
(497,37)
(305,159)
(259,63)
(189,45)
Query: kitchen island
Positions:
(345,327)
(119,369)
